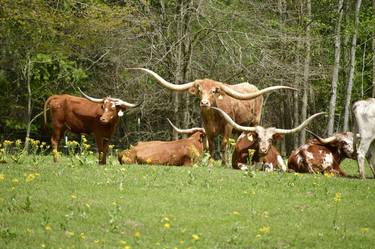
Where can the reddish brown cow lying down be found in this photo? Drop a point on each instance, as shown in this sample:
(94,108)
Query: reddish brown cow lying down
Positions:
(178,152)
(247,140)
(323,155)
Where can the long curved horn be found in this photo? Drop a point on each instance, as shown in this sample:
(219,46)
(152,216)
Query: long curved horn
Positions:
(163,82)
(322,140)
(300,127)
(247,96)
(120,102)
(91,98)
(232,123)
(186,131)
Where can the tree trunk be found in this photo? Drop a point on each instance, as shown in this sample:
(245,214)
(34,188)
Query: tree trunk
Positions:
(373,54)
(27,77)
(335,73)
(297,80)
(306,70)
(352,68)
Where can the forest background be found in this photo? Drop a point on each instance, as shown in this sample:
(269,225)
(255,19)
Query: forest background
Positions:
(325,48)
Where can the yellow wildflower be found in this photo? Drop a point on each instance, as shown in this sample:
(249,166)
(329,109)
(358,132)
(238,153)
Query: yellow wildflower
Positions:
(195,237)
(137,234)
(48,227)
(69,234)
(264,230)
(236,213)
(82,236)
(167,225)
(148,161)
(364,230)
(18,142)
(2,177)
(328,174)
(73,196)
(43,245)
(15,180)
(97,241)
(87,205)
(124,242)
(7,143)
(30,177)
(127,247)
(337,197)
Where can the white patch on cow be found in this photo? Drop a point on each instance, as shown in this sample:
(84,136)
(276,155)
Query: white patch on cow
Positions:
(309,156)
(120,113)
(268,167)
(281,162)
(250,137)
(113,105)
(299,159)
(327,161)
(242,166)
(106,109)
(105,101)
(220,97)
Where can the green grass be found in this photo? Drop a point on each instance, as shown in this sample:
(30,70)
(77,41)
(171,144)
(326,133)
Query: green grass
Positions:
(84,205)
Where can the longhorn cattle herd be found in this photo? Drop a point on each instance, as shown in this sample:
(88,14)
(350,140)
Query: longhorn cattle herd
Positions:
(223,108)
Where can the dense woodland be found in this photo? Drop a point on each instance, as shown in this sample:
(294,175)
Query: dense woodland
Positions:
(325,48)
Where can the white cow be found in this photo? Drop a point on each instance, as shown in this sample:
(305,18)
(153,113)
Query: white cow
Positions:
(364,112)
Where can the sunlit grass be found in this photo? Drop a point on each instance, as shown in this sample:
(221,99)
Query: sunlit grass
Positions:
(78,204)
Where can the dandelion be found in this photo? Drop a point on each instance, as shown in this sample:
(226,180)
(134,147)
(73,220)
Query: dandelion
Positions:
(87,205)
(265,214)
(127,247)
(123,242)
(97,241)
(337,197)
(236,213)
(195,237)
(7,143)
(182,242)
(73,196)
(264,230)
(30,177)
(43,245)
(69,234)
(2,177)
(48,228)
(18,142)
(328,174)
(82,236)
(15,180)
(148,161)
(137,234)
(364,230)
(167,225)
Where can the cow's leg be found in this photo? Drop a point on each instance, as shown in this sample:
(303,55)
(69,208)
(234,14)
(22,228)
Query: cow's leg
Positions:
(362,151)
(371,158)
(224,144)
(211,148)
(57,132)
(102,144)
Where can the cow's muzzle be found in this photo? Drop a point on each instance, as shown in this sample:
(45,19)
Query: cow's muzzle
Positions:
(205,103)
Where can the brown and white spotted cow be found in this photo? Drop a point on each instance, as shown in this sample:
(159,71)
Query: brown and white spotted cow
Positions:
(248,141)
(323,155)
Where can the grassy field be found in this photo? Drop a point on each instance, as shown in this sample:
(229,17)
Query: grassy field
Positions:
(79,204)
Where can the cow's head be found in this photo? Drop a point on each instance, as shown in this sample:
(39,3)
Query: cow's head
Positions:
(196,132)
(264,136)
(208,90)
(112,107)
(343,141)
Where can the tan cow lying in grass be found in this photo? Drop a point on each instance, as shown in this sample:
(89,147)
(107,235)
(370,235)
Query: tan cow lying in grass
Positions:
(179,152)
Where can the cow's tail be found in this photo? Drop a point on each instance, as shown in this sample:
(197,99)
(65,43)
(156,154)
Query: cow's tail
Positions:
(46,107)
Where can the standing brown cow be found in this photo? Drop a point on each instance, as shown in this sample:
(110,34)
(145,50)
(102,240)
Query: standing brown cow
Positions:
(80,115)
(263,137)
(242,102)
(177,153)
(323,154)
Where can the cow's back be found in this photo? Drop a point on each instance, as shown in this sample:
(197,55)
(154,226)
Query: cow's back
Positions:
(243,112)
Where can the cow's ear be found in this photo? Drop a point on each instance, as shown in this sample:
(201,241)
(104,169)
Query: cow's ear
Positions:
(251,137)
(277,136)
(193,90)
(201,139)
